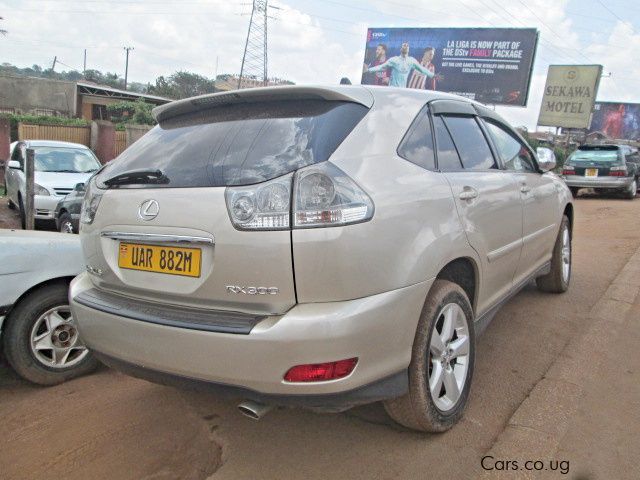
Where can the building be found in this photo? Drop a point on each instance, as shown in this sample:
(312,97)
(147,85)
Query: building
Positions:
(43,96)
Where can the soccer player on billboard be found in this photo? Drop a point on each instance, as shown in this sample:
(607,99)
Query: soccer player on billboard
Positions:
(399,67)
(380,78)
(420,81)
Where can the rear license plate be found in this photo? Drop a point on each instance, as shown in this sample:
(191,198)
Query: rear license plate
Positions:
(153,258)
(591,172)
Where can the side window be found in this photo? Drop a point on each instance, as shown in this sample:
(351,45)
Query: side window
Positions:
(17,154)
(513,153)
(417,145)
(448,158)
(469,140)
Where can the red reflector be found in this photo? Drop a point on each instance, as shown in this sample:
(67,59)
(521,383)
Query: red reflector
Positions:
(568,172)
(319,372)
(617,173)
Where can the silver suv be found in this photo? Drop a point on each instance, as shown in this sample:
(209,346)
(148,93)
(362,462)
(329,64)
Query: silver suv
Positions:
(321,247)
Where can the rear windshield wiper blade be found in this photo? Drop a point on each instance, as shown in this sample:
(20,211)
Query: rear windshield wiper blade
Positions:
(137,177)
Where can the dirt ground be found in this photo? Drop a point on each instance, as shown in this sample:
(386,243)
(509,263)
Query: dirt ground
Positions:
(111,426)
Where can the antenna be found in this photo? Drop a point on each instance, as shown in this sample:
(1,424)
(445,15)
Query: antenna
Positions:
(254,61)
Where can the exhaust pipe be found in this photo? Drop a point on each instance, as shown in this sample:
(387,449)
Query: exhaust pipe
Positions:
(254,410)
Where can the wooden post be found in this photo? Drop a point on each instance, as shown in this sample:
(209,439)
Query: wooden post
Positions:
(28,204)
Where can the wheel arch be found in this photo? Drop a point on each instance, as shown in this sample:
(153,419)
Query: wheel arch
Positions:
(52,281)
(463,271)
(568,211)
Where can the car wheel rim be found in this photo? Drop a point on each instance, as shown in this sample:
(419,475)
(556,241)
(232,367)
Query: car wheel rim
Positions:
(566,255)
(66,227)
(55,341)
(449,356)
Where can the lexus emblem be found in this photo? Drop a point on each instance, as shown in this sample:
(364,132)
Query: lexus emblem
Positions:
(148,210)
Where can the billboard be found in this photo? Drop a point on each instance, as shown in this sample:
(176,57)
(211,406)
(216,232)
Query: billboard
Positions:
(569,95)
(615,120)
(490,65)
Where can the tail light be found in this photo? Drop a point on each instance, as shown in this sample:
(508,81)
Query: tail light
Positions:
(568,170)
(320,372)
(323,196)
(90,203)
(618,171)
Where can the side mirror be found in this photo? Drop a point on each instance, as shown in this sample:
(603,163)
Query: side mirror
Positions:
(79,187)
(546,159)
(15,164)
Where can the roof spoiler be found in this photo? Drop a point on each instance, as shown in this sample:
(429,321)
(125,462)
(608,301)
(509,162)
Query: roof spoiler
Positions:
(355,94)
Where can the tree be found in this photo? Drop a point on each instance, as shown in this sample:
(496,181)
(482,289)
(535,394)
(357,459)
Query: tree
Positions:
(2,32)
(182,85)
(138,112)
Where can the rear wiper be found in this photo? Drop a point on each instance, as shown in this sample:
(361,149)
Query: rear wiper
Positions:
(137,177)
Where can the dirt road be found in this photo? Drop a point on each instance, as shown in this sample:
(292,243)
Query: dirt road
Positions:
(110,426)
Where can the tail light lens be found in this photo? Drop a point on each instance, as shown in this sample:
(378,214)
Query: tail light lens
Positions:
(90,203)
(568,170)
(618,171)
(261,207)
(323,196)
(320,372)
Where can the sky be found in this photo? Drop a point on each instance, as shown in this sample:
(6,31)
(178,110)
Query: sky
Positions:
(312,41)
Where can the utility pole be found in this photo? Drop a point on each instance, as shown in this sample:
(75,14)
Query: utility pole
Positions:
(84,65)
(126,67)
(53,67)
(29,222)
(254,60)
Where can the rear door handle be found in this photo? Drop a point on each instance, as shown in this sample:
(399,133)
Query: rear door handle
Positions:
(468,193)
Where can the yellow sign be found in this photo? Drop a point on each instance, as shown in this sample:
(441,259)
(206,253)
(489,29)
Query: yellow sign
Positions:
(153,258)
(569,95)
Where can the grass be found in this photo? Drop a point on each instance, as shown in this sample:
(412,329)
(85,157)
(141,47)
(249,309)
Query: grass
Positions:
(2,192)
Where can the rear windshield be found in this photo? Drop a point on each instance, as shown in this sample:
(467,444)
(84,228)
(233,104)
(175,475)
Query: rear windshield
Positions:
(607,156)
(240,144)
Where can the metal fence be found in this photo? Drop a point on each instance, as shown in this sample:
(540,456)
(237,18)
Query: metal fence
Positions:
(55,132)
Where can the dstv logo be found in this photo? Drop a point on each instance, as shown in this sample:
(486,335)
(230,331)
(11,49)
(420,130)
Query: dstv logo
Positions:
(378,35)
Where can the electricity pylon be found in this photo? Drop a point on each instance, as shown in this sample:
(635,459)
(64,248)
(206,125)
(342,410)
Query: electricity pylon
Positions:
(254,61)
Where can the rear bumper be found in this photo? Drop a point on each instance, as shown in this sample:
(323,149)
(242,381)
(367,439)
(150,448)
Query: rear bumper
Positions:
(379,330)
(597,182)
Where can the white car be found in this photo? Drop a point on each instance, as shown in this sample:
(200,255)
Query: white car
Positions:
(59,167)
(38,334)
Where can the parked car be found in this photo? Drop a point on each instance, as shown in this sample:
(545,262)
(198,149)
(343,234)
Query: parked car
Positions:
(39,335)
(58,168)
(606,168)
(323,247)
(67,213)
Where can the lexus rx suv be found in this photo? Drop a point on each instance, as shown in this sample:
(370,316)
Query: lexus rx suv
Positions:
(317,246)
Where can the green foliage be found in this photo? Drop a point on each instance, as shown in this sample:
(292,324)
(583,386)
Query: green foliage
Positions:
(138,112)
(14,119)
(182,85)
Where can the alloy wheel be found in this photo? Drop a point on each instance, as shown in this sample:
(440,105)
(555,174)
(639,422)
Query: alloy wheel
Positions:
(449,351)
(55,341)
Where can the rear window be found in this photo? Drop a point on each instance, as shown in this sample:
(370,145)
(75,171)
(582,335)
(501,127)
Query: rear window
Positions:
(579,156)
(240,144)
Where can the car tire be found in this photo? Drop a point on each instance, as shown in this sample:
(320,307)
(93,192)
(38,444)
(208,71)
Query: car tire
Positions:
(23,215)
(558,279)
(574,191)
(419,409)
(66,225)
(28,324)
(631,192)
